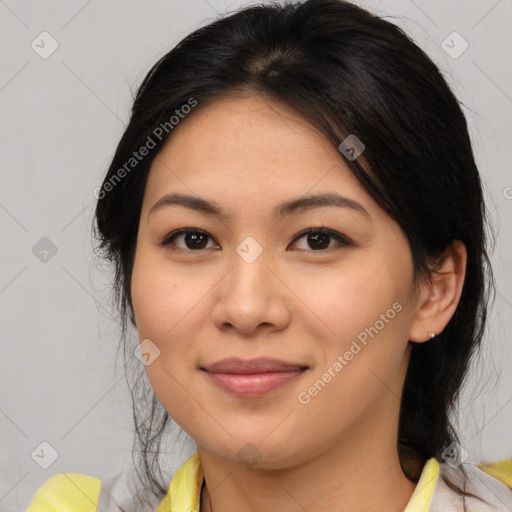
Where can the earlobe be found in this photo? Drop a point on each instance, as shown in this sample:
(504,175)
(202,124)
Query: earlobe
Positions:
(439,299)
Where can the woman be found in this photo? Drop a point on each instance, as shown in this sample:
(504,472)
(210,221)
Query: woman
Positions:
(298,231)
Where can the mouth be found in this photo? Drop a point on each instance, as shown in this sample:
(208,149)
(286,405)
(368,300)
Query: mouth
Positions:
(253,378)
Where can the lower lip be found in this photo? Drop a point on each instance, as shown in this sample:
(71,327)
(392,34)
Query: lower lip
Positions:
(253,384)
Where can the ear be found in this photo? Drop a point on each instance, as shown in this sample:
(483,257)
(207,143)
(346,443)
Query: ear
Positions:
(439,299)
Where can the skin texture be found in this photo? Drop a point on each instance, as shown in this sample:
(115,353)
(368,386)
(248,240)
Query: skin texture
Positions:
(294,302)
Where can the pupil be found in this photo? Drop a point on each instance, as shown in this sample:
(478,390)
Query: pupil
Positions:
(322,239)
(193,240)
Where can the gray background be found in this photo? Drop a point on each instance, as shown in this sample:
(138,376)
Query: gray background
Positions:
(61,118)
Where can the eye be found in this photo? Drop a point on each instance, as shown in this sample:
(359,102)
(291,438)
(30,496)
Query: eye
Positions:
(194,239)
(320,239)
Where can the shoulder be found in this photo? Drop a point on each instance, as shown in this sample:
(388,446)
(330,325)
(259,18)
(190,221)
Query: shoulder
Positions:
(67,491)
(64,492)
(494,494)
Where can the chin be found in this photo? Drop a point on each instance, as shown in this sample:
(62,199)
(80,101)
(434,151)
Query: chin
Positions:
(255,453)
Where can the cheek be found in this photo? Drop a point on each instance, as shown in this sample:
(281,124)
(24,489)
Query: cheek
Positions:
(366,309)
(365,313)
(161,301)
(170,309)
(354,298)
(149,299)
(161,296)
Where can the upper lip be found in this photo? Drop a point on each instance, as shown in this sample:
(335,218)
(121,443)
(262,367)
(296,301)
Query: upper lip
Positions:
(260,365)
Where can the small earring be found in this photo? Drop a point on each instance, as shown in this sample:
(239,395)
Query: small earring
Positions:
(431,335)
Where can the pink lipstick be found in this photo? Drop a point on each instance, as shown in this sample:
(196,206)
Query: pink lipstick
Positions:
(252,378)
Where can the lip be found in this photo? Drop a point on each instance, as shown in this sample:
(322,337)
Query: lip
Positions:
(249,366)
(252,378)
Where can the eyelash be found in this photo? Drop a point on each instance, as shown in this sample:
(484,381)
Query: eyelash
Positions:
(342,240)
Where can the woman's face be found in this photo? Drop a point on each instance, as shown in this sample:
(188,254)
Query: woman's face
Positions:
(335,307)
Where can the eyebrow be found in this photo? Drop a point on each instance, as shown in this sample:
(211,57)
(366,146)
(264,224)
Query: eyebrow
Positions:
(299,204)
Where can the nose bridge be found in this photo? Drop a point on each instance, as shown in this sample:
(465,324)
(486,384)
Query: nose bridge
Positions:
(250,275)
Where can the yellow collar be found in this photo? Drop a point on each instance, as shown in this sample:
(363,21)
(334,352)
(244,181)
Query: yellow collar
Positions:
(184,492)
(422,495)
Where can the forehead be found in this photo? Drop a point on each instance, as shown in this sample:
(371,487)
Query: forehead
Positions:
(253,148)
(239,127)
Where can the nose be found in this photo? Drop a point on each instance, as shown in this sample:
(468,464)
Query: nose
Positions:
(251,298)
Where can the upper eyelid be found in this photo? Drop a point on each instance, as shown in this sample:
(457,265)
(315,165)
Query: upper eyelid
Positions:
(322,229)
